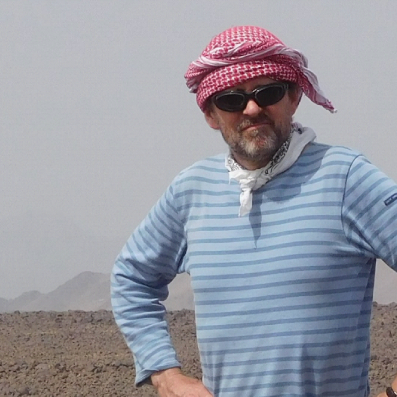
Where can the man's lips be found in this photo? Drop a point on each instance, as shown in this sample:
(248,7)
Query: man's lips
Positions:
(255,126)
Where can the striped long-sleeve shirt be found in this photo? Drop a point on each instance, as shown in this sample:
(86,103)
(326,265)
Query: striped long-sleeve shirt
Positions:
(282,295)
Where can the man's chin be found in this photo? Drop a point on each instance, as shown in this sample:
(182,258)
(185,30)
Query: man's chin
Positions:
(259,150)
(258,155)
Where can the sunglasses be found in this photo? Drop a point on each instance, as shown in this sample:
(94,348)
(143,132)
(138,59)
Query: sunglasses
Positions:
(236,101)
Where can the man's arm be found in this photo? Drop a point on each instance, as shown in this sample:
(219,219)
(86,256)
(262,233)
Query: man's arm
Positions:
(370,215)
(369,212)
(146,265)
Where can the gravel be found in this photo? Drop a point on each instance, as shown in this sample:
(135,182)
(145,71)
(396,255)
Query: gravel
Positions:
(82,354)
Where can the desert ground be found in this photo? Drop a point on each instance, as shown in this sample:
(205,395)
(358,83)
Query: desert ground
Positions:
(82,354)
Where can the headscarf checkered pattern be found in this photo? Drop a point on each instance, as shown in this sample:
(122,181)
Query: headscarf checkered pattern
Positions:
(245,52)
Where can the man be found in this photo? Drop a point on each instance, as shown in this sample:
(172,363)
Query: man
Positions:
(280,239)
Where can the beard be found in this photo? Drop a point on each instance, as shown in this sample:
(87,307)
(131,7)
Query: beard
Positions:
(258,144)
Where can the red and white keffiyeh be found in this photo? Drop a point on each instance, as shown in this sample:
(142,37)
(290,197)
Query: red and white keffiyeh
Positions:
(245,52)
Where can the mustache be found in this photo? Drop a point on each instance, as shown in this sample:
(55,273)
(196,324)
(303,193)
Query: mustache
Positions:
(252,121)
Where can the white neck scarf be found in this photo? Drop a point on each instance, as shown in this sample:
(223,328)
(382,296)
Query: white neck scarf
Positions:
(281,161)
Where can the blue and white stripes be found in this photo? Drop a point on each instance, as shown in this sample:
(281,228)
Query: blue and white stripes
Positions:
(283,295)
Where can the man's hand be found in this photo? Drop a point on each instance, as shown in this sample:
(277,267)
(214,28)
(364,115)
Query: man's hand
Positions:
(173,383)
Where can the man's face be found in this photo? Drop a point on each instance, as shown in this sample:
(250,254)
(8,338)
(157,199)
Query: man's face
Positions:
(255,134)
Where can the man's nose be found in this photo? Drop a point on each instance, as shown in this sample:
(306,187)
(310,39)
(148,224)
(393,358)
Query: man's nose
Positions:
(252,108)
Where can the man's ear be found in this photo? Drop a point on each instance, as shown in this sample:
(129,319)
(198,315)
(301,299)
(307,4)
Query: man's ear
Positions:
(295,96)
(211,118)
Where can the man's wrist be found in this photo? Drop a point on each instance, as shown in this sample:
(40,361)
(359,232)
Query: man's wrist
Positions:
(164,375)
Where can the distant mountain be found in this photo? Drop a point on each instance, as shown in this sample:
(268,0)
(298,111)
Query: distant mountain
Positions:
(181,294)
(90,291)
(41,250)
(3,304)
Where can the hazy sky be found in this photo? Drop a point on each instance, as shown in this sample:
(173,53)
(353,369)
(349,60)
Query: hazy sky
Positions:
(96,120)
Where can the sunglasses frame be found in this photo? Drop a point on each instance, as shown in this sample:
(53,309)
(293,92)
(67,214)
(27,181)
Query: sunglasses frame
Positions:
(247,96)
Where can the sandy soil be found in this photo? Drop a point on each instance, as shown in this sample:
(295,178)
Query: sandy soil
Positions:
(81,354)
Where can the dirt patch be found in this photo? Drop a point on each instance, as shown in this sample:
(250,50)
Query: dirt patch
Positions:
(82,354)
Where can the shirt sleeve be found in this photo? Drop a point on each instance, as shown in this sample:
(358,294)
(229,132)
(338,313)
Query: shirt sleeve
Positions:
(139,282)
(369,211)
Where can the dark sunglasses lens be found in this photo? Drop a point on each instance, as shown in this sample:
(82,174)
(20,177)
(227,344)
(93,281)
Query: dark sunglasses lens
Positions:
(230,101)
(267,96)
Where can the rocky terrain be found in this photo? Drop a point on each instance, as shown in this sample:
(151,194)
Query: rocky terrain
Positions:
(81,354)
